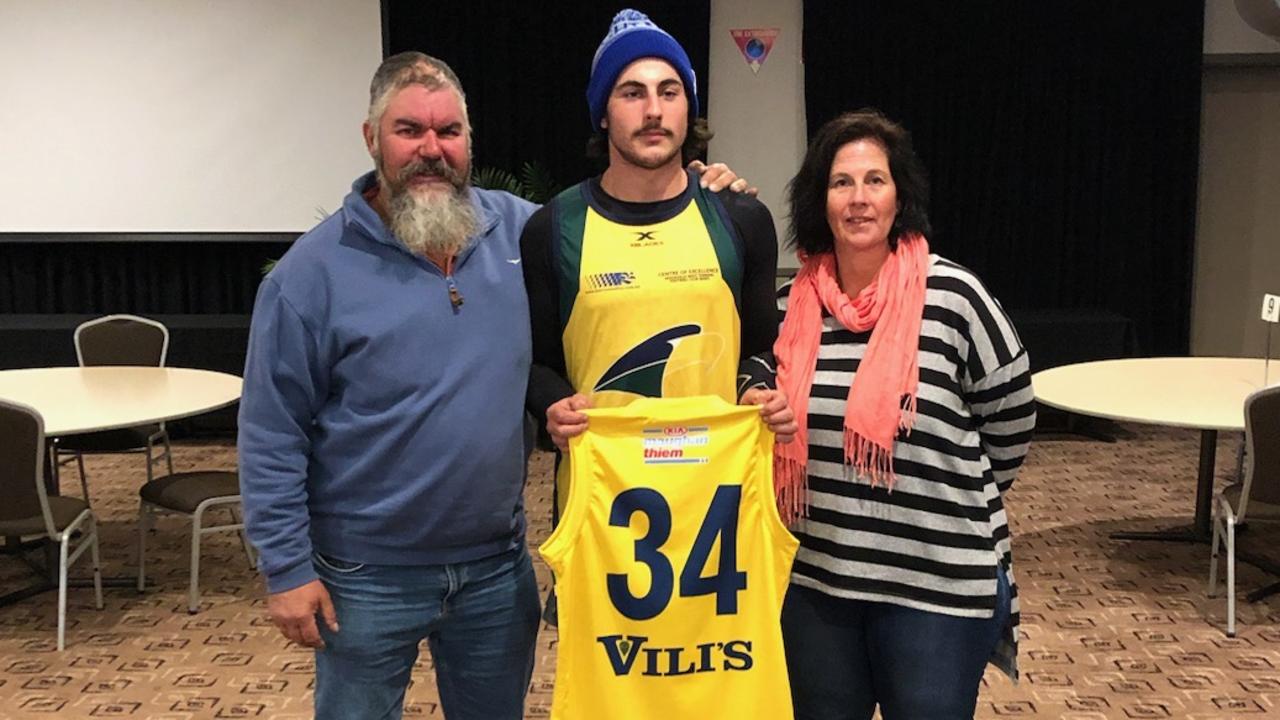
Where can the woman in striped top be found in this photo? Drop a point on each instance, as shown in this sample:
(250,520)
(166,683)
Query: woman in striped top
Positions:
(915,405)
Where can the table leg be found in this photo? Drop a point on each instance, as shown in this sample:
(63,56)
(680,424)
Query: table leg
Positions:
(1263,563)
(26,592)
(1199,531)
(46,575)
(1204,483)
(1263,592)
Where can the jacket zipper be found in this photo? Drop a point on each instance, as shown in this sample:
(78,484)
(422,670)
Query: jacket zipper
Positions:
(455,297)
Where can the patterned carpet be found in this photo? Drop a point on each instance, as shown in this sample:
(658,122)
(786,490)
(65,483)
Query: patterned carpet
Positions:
(1111,629)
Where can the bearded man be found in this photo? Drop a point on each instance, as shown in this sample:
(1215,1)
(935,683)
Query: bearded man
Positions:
(381,446)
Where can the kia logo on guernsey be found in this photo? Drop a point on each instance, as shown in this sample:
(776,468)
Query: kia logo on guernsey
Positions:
(601,281)
(675,445)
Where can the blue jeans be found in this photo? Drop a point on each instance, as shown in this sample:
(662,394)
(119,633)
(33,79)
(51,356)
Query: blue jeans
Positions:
(480,619)
(846,656)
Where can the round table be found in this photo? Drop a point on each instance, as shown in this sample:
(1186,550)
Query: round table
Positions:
(1203,393)
(76,400)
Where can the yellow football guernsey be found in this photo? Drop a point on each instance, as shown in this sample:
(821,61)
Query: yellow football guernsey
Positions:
(671,565)
(649,310)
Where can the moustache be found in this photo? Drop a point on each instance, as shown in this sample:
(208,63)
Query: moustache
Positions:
(652,127)
(430,168)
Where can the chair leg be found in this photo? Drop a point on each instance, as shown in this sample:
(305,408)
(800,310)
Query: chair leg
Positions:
(163,436)
(54,470)
(1231,577)
(97,564)
(193,601)
(151,473)
(1213,555)
(249,550)
(168,452)
(144,525)
(62,591)
(84,479)
(244,537)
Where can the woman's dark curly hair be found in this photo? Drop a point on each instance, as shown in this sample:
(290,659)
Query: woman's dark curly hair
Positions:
(807,191)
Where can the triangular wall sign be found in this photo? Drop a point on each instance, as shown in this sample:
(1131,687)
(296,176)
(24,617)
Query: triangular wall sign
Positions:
(755,44)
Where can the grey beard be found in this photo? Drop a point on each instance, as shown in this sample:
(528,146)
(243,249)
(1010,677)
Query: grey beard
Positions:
(438,224)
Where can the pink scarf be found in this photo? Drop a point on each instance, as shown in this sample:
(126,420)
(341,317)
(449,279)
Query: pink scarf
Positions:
(882,398)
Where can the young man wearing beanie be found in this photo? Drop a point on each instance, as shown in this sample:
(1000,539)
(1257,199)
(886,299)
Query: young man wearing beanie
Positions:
(640,267)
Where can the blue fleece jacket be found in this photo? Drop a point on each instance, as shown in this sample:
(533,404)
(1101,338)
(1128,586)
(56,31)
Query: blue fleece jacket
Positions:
(379,423)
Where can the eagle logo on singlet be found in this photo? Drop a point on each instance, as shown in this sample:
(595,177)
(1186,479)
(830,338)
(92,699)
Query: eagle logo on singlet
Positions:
(640,370)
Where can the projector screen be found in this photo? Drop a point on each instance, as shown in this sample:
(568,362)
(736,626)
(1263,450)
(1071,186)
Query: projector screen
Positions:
(181,116)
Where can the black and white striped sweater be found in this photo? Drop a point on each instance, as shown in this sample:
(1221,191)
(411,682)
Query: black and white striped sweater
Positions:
(935,542)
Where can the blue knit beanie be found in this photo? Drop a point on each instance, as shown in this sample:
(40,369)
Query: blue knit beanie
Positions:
(632,35)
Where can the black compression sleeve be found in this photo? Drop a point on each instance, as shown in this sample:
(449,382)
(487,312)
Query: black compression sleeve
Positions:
(759,316)
(548,379)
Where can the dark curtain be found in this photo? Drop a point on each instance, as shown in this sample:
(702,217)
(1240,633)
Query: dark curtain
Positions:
(125,276)
(1062,139)
(524,67)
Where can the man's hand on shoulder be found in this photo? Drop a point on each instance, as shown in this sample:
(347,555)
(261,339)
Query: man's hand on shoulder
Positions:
(294,612)
(718,176)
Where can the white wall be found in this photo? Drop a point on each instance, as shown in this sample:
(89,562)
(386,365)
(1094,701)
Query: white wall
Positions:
(1238,221)
(181,115)
(1237,253)
(758,119)
(1226,32)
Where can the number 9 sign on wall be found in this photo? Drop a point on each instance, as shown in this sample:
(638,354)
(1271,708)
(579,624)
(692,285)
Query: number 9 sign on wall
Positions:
(1271,308)
(1271,314)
